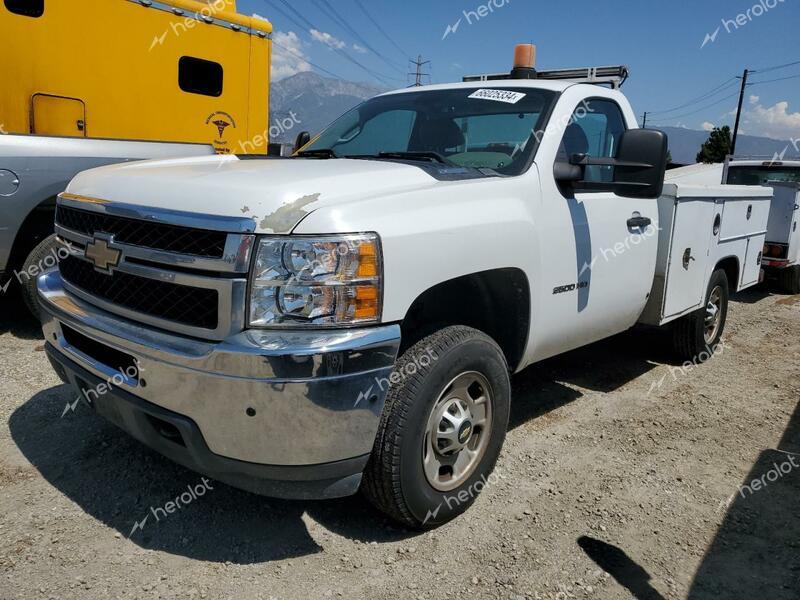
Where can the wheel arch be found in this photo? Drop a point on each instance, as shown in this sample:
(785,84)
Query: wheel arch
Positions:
(730,265)
(496,302)
(36,226)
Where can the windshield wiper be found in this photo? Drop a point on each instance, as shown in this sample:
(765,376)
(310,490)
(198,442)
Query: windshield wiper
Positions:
(421,155)
(318,153)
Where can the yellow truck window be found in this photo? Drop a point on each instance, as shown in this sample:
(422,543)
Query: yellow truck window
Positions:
(198,76)
(28,8)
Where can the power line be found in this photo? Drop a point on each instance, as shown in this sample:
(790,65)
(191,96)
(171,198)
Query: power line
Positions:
(773,80)
(304,59)
(768,69)
(705,96)
(329,9)
(380,28)
(298,18)
(703,108)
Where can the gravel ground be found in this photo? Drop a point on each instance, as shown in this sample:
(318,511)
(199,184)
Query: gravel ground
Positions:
(620,477)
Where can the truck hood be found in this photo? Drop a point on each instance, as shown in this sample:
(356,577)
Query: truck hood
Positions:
(276,193)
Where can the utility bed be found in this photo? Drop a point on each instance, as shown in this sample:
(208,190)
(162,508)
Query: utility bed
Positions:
(701,226)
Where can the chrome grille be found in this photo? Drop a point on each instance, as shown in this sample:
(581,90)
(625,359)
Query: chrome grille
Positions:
(182,272)
(196,307)
(170,238)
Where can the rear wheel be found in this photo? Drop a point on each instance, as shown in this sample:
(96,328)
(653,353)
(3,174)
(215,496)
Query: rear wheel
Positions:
(790,279)
(442,428)
(37,263)
(696,336)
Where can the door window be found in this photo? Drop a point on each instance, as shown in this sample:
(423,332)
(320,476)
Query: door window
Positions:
(26,8)
(198,76)
(595,129)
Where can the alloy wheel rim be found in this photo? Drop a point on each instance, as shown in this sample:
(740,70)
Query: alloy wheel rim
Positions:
(458,431)
(713,315)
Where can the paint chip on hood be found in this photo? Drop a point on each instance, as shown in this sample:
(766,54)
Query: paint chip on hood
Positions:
(284,219)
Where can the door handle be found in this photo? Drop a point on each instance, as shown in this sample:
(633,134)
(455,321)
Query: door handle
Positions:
(639,222)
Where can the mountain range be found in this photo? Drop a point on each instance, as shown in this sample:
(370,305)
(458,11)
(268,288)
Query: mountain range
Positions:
(309,102)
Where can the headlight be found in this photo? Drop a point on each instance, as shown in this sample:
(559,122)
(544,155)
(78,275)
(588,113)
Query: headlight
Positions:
(316,281)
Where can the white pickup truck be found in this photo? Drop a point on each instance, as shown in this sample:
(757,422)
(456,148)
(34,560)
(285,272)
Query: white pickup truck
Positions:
(349,318)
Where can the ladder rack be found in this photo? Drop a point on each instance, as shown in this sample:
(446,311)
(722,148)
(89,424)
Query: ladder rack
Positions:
(614,76)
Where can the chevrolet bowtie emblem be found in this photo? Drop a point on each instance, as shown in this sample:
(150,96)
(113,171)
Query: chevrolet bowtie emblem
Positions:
(104,257)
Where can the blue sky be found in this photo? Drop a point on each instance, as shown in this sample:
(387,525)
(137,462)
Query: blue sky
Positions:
(659,41)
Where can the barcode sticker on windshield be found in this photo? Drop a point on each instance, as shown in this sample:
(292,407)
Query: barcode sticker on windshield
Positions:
(506,96)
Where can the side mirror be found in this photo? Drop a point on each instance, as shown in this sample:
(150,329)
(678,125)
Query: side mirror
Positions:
(302,139)
(566,172)
(641,163)
(639,166)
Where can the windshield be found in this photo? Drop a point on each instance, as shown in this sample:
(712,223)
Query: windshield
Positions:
(759,175)
(483,129)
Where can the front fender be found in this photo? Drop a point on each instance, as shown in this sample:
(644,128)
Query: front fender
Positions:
(433,236)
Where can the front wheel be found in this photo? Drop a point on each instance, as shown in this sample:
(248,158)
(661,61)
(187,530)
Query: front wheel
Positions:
(36,263)
(442,428)
(696,336)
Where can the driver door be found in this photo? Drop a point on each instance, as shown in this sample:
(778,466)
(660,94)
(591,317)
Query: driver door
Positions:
(606,264)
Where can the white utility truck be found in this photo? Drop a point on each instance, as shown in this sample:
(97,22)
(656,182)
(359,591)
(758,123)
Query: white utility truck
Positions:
(349,318)
(782,250)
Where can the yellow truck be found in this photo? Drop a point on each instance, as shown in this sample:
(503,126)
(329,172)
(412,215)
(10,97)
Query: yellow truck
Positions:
(96,82)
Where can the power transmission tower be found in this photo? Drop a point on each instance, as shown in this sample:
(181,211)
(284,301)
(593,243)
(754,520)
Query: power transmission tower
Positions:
(419,63)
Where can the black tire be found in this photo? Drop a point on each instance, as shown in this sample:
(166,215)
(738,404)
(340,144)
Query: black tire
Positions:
(34,266)
(790,280)
(394,480)
(689,332)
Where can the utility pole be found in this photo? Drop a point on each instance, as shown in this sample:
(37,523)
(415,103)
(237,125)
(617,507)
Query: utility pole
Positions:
(419,63)
(644,121)
(739,111)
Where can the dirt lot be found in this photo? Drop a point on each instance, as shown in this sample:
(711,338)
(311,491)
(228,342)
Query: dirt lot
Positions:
(620,476)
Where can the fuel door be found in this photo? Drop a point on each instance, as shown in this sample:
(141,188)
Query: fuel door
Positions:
(9,182)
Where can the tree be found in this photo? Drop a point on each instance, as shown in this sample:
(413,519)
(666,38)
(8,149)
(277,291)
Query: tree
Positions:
(669,157)
(716,147)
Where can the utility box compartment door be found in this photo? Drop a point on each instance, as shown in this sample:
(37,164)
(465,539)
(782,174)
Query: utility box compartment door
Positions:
(784,215)
(58,115)
(687,266)
(743,218)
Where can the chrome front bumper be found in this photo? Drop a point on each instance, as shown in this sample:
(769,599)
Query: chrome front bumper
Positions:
(294,402)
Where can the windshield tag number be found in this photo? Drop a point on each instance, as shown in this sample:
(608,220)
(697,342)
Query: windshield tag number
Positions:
(506,96)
